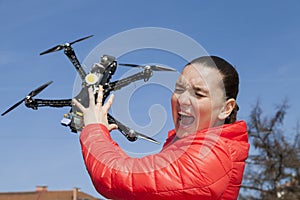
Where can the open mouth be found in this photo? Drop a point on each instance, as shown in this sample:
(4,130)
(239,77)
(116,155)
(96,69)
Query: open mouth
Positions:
(185,119)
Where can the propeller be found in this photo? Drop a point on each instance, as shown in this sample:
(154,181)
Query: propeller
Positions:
(62,46)
(133,135)
(145,137)
(130,134)
(30,95)
(152,67)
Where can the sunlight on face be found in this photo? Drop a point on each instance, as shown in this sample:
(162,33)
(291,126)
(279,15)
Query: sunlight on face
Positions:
(197,100)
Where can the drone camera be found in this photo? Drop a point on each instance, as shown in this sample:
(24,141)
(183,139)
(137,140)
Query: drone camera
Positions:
(107,59)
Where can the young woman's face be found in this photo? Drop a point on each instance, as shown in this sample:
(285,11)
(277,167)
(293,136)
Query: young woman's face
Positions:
(197,100)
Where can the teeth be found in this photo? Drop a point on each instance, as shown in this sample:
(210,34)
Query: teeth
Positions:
(184,114)
(185,119)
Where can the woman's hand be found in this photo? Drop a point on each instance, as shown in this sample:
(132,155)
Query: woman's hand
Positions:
(96,113)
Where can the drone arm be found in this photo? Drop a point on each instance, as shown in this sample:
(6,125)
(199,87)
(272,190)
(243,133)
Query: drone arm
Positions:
(127,132)
(35,103)
(117,85)
(70,53)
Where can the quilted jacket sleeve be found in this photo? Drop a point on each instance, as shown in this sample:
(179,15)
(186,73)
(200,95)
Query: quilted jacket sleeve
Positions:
(194,167)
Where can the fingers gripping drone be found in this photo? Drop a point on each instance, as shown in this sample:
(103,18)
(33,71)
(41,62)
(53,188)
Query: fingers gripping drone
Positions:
(100,75)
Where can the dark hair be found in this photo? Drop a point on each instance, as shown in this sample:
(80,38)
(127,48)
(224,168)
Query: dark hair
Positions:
(230,79)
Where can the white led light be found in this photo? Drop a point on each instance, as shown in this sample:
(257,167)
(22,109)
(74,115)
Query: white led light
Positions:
(91,79)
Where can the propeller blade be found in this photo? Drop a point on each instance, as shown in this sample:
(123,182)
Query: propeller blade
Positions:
(39,89)
(53,49)
(81,39)
(159,68)
(142,136)
(31,94)
(130,65)
(13,107)
(61,46)
(153,67)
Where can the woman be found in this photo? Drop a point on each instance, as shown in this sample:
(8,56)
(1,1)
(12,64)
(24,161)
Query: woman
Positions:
(203,157)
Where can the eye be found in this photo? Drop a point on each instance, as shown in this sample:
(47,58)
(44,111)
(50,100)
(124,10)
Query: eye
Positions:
(179,90)
(198,94)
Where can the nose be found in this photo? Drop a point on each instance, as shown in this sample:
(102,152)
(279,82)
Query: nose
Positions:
(183,98)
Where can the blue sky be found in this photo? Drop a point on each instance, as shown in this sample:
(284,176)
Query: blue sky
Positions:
(261,38)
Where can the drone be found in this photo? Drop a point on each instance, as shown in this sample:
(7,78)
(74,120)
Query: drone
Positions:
(100,74)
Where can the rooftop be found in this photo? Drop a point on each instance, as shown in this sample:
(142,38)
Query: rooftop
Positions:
(42,193)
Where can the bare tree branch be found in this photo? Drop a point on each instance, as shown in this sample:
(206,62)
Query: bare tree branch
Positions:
(273,170)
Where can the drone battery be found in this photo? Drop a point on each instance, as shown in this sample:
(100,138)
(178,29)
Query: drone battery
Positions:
(66,121)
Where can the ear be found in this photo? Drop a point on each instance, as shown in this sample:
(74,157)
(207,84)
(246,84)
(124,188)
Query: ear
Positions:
(227,109)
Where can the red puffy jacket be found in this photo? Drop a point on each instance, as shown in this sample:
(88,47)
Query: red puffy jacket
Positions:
(206,165)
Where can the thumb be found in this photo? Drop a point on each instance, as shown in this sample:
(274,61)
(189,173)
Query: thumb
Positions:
(112,127)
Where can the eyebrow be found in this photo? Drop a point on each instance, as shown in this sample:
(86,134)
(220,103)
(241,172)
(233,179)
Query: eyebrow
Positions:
(201,89)
(181,83)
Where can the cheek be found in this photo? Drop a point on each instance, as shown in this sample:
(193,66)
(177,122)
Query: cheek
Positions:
(203,109)
(201,104)
(174,101)
(203,112)
(208,114)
